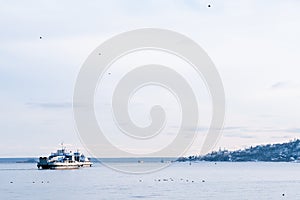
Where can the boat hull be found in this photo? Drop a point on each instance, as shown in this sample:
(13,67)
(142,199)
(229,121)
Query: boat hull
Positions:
(63,165)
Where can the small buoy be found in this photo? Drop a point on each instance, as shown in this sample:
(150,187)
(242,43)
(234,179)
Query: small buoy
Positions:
(33,182)
(283,194)
(203,181)
(40,37)
(208,5)
(11,182)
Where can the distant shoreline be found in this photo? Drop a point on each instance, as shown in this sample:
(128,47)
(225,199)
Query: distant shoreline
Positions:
(129,160)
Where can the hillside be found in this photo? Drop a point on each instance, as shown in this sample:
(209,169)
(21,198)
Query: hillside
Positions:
(286,152)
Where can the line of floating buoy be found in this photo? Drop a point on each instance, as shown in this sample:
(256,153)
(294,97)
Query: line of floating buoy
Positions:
(41,182)
(34,182)
(181,179)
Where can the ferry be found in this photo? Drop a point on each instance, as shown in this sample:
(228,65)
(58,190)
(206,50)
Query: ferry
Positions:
(62,159)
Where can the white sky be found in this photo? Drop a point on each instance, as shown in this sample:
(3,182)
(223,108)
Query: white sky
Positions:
(255,46)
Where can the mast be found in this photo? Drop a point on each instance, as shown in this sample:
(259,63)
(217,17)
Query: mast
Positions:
(62,147)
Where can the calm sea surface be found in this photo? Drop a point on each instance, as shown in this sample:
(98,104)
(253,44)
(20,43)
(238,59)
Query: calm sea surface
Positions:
(203,180)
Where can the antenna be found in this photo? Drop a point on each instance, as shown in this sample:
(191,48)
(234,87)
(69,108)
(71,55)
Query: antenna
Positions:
(62,145)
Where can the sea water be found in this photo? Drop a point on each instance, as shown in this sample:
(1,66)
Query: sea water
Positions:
(200,180)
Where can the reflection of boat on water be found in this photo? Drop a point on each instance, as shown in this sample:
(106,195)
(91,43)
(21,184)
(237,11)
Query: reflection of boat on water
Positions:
(64,160)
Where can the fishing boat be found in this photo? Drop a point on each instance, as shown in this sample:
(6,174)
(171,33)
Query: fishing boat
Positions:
(62,159)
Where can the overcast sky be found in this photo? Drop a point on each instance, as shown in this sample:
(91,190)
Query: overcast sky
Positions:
(255,46)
